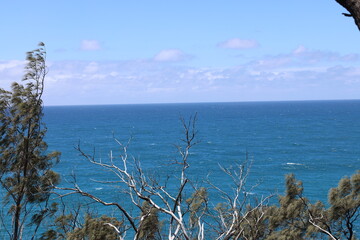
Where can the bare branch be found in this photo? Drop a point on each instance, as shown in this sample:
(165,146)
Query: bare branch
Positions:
(353,6)
(312,221)
(77,190)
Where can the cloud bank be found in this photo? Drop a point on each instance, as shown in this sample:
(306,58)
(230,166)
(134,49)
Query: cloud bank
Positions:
(171,55)
(237,43)
(302,74)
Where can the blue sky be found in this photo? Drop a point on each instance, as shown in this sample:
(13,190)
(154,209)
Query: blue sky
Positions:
(119,52)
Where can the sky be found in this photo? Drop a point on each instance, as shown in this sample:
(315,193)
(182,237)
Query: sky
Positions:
(141,51)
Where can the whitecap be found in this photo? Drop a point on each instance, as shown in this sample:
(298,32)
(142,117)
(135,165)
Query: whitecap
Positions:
(249,193)
(297,164)
(297,144)
(98,188)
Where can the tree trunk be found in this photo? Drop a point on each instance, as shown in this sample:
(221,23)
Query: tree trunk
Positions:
(353,6)
(16,229)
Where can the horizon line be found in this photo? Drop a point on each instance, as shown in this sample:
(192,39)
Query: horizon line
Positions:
(210,102)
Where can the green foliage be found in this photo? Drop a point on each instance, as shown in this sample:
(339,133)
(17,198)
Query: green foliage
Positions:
(63,224)
(345,198)
(197,205)
(93,228)
(297,218)
(344,212)
(25,167)
(290,220)
(255,223)
(150,226)
(96,229)
(41,214)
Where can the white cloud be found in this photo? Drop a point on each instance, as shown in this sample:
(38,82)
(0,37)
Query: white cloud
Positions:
(145,81)
(90,45)
(11,71)
(12,64)
(300,49)
(303,57)
(91,67)
(237,43)
(299,74)
(170,55)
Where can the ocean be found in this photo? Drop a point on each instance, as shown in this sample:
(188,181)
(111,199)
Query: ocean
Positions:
(318,141)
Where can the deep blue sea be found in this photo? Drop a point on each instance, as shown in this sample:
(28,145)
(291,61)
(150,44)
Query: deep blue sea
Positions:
(318,141)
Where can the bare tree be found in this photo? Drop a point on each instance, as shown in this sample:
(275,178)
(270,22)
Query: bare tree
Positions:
(235,214)
(141,188)
(184,218)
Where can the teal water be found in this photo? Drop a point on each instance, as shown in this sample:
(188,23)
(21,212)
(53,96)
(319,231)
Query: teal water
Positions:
(318,141)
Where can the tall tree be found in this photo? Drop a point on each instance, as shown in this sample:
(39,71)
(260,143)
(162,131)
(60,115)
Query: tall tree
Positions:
(25,166)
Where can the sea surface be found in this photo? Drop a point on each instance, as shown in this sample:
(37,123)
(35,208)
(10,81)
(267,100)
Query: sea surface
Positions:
(318,141)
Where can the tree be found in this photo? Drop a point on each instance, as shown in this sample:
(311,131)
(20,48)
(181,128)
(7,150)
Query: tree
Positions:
(163,211)
(166,211)
(290,219)
(341,219)
(150,225)
(353,6)
(345,203)
(145,192)
(297,218)
(96,229)
(25,166)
